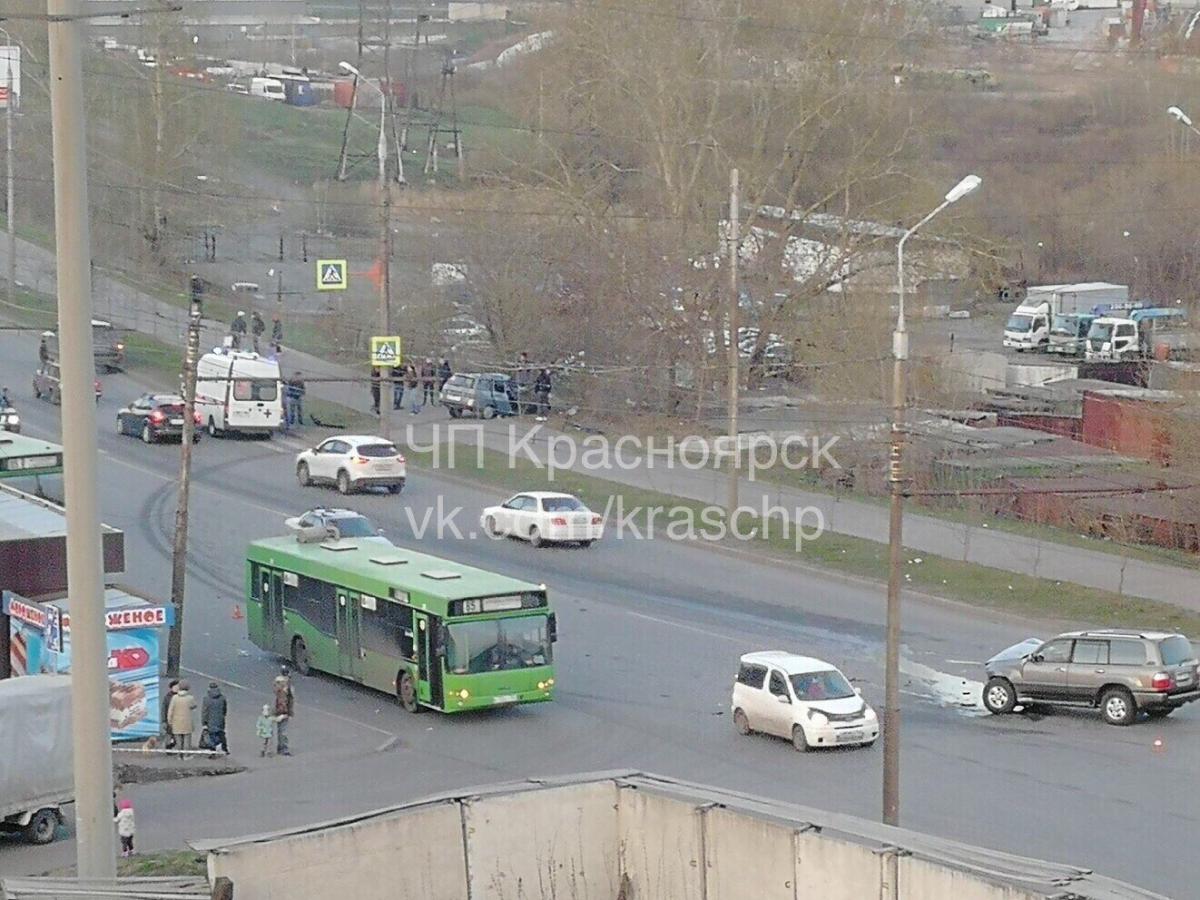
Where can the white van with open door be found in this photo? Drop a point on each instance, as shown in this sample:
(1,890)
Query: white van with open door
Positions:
(238,391)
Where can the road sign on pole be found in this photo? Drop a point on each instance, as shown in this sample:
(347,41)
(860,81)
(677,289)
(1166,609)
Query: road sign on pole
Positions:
(385,351)
(332,275)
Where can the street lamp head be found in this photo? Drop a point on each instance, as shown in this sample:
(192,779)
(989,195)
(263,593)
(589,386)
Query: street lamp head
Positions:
(964,187)
(345,66)
(1180,115)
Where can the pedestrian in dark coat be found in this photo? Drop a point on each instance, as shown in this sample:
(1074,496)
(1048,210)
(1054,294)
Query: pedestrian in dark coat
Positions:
(428,374)
(168,734)
(376,377)
(444,372)
(212,717)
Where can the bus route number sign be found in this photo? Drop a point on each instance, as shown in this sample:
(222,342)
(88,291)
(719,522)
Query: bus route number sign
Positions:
(385,351)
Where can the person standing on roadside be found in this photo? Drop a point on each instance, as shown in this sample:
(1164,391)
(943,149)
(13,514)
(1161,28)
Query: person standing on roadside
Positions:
(412,383)
(237,329)
(182,716)
(444,372)
(285,706)
(541,391)
(277,334)
(524,384)
(265,729)
(376,377)
(126,827)
(428,374)
(397,387)
(168,734)
(257,328)
(212,717)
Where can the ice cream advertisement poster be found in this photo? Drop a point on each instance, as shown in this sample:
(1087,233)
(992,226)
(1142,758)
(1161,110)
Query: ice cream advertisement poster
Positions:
(135,628)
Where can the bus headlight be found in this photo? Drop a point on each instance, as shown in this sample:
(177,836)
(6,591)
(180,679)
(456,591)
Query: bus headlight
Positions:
(464,694)
(550,682)
(541,685)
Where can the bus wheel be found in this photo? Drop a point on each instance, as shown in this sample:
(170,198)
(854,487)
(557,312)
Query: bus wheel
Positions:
(300,655)
(406,691)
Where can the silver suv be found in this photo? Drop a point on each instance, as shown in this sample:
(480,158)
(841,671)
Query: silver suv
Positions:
(1120,672)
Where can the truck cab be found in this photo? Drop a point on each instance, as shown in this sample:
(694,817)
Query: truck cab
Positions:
(1068,334)
(1028,328)
(1111,339)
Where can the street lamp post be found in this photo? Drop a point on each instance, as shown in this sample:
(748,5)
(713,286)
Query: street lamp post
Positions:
(10,191)
(891,720)
(1183,119)
(385,224)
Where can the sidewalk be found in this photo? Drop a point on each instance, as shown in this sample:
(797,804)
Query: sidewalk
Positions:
(990,547)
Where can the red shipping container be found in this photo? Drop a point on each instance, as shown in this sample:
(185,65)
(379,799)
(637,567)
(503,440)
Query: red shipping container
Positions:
(343,92)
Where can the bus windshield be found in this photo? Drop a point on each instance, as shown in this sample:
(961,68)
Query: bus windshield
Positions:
(474,647)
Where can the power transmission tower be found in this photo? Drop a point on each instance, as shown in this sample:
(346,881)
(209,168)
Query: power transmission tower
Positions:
(436,128)
(344,156)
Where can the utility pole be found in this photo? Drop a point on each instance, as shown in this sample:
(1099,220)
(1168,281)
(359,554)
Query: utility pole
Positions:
(734,242)
(10,198)
(95,850)
(896,481)
(179,548)
(386,387)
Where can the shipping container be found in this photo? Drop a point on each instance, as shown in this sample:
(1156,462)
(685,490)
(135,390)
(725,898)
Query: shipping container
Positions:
(343,92)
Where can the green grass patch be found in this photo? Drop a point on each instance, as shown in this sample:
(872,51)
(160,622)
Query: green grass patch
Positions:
(982,586)
(185,863)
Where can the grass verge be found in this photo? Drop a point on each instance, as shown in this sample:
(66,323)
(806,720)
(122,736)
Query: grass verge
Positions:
(970,583)
(160,863)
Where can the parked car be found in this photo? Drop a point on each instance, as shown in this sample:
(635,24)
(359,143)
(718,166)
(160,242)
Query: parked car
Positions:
(353,461)
(153,417)
(542,517)
(1119,672)
(47,384)
(801,698)
(10,419)
(482,395)
(108,346)
(345,523)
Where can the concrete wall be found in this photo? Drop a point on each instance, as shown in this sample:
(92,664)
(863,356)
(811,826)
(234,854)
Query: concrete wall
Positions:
(416,854)
(614,838)
(974,372)
(1038,374)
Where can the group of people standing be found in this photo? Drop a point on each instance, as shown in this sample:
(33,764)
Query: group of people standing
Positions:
(257,328)
(421,383)
(533,388)
(179,717)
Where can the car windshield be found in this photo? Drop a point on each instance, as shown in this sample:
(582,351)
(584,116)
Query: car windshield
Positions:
(377,451)
(562,504)
(1100,332)
(1019,323)
(474,647)
(256,389)
(353,526)
(1176,650)
(830,685)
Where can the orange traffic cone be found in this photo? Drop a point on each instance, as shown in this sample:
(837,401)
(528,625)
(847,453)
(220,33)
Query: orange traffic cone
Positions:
(238,615)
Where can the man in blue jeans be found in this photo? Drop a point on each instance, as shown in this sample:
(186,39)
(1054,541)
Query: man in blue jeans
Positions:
(293,408)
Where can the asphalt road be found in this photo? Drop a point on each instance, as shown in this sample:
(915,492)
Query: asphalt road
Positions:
(651,631)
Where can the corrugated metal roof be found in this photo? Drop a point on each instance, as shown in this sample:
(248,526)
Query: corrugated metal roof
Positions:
(48,888)
(24,516)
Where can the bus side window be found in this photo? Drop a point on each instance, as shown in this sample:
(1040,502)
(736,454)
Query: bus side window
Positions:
(408,647)
(256,574)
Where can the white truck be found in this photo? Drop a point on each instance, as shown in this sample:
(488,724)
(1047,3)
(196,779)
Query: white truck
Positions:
(1028,328)
(37,776)
(1141,334)
(238,391)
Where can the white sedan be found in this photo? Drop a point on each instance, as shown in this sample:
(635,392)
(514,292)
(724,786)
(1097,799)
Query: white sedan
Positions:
(353,461)
(542,517)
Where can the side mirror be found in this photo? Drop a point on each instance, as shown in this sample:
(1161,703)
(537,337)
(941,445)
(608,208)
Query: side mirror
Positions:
(782,698)
(858,691)
(1037,657)
(552,627)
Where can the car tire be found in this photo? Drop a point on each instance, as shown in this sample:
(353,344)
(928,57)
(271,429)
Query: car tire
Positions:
(1159,712)
(741,723)
(300,656)
(302,475)
(455,412)
(343,482)
(406,693)
(488,412)
(799,740)
(585,544)
(489,525)
(212,427)
(999,696)
(395,488)
(1118,706)
(535,537)
(41,827)
(147,434)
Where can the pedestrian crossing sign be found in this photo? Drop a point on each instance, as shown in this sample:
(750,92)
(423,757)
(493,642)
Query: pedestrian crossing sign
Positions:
(331,275)
(385,351)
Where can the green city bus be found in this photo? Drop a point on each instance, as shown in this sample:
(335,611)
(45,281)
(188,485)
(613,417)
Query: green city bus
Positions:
(431,632)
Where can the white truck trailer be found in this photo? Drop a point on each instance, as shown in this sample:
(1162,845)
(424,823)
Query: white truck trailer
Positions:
(37,777)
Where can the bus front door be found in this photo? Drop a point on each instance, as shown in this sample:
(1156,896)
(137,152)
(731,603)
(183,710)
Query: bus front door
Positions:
(349,649)
(271,594)
(429,665)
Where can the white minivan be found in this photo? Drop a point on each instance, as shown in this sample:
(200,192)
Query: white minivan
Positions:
(238,391)
(800,698)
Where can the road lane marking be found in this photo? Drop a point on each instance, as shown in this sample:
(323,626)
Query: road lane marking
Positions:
(704,631)
(964,662)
